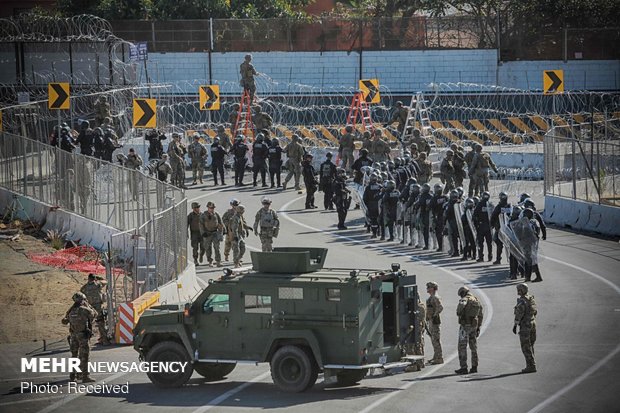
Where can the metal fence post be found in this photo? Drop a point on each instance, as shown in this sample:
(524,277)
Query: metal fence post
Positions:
(574,168)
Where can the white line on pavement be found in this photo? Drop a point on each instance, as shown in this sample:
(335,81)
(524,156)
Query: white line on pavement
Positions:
(213,403)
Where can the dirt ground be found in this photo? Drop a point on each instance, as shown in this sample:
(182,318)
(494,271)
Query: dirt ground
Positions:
(33,297)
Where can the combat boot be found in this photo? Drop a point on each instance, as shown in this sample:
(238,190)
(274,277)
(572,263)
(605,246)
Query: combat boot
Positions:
(497,261)
(72,377)
(201,180)
(529,369)
(474,369)
(462,370)
(435,361)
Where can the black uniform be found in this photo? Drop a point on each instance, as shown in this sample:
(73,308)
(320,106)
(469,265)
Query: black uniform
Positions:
(371,196)
(275,162)
(469,243)
(260,152)
(307,171)
(437,204)
(450,218)
(239,149)
(109,146)
(86,140)
(327,174)
(217,161)
(390,207)
(501,207)
(482,223)
(424,205)
(156,149)
(357,166)
(341,199)
(66,142)
(99,145)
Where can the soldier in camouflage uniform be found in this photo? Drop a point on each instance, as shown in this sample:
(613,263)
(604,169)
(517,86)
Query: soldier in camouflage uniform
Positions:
(195,232)
(95,294)
(346,148)
(426,169)
(80,318)
(267,220)
(400,116)
(433,321)
(458,161)
(102,110)
(133,162)
(198,155)
(212,229)
(525,319)
(295,153)
(473,189)
(480,167)
(240,231)
(469,313)
(366,141)
(224,138)
(247,76)
(420,142)
(262,121)
(380,150)
(227,220)
(446,170)
(176,153)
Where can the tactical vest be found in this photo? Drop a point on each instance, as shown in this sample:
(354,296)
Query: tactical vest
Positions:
(92,291)
(267,218)
(211,221)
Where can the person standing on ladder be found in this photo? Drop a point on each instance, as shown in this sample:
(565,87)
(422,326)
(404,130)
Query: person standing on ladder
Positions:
(247,76)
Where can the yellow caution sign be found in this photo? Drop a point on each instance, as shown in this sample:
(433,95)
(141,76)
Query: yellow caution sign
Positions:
(145,113)
(553,81)
(370,90)
(58,96)
(209,97)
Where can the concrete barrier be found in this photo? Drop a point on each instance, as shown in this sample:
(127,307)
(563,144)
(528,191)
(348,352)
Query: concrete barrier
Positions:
(582,216)
(181,290)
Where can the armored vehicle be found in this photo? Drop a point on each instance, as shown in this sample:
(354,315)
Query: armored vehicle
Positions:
(292,313)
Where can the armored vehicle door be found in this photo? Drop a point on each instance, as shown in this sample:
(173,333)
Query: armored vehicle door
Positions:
(407,303)
(215,325)
(254,323)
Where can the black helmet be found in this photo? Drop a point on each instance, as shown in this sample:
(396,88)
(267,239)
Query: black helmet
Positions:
(523,197)
(528,203)
(463,291)
(438,188)
(522,288)
(363,152)
(426,188)
(486,195)
(529,213)
(503,196)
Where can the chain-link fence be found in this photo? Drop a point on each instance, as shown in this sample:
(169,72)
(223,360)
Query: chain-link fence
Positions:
(583,162)
(111,194)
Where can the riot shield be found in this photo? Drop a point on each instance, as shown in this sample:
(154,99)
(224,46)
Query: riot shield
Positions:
(470,220)
(508,238)
(528,241)
(458,212)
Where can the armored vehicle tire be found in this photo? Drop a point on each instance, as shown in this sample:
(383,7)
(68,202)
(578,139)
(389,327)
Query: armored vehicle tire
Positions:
(168,351)
(350,377)
(293,369)
(214,371)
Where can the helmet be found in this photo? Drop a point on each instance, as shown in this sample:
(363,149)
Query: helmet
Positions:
(415,188)
(523,197)
(349,128)
(449,152)
(391,164)
(210,204)
(516,210)
(329,154)
(383,165)
(426,188)
(476,200)
(216,139)
(486,195)
(196,136)
(460,190)
(363,152)
(195,205)
(234,202)
(422,155)
(463,291)
(384,176)
(239,138)
(391,184)
(374,177)
(91,276)
(98,131)
(220,128)
(309,155)
(503,196)
(399,103)
(454,194)
(260,137)
(175,135)
(438,188)
(240,209)
(522,288)
(528,203)
(414,146)
(529,213)
(412,181)
(432,284)
(78,297)
(295,137)
(469,203)
(478,147)
(266,201)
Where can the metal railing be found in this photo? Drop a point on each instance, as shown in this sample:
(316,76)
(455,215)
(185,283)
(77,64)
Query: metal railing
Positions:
(583,162)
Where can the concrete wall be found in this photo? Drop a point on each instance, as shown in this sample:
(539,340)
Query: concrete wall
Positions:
(582,216)
(399,72)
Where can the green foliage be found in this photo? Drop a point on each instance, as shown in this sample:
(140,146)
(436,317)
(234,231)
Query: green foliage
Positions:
(56,239)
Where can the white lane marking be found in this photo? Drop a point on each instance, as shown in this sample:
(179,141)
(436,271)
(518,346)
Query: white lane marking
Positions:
(575,267)
(40,399)
(213,403)
(485,324)
(68,399)
(576,382)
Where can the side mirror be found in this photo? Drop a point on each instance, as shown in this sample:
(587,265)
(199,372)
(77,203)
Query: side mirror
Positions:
(207,310)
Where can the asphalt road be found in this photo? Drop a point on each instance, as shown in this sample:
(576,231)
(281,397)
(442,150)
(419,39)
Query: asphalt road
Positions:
(577,349)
